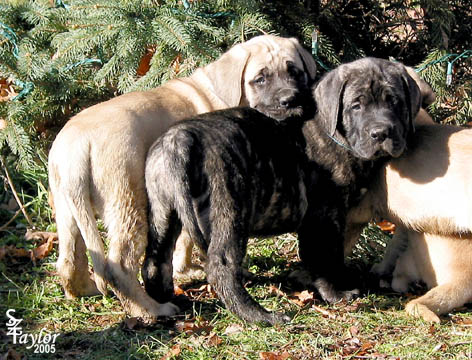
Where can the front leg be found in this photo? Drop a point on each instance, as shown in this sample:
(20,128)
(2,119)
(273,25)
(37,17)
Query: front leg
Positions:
(321,250)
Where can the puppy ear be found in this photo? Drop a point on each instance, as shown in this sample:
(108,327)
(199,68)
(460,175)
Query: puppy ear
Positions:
(309,63)
(226,74)
(413,97)
(328,94)
(427,92)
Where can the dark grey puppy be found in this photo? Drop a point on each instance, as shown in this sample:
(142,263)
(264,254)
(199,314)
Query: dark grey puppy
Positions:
(235,173)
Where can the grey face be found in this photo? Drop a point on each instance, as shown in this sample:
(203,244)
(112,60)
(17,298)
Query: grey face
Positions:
(280,93)
(375,117)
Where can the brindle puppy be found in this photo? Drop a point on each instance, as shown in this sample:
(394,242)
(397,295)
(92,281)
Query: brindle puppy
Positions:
(231,174)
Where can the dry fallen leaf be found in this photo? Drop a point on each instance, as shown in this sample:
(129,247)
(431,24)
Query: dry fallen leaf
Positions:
(11,355)
(173,352)
(303,298)
(324,312)
(214,340)
(354,331)
(276,291)
(178,290)
(44,249)
(145,62)
(386,226)
(190,327)
(13,252)
(204,291)
(46,244)
(268,355)
(233,329)
(131,323)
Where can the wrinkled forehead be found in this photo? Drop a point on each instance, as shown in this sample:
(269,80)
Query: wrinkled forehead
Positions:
(272,56)
(372,84)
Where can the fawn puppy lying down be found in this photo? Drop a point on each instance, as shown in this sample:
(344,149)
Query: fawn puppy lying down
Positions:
(427,193)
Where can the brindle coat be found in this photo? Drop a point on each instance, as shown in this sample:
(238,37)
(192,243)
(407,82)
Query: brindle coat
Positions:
(231,174)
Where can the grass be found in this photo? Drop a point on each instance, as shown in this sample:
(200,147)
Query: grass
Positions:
(373,326)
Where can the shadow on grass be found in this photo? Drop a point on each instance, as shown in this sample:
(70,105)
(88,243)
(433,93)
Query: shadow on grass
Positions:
(115,342)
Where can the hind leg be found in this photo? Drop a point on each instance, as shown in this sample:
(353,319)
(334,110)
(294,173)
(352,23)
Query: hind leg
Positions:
(157,267)
(127,229)
(224,271)
(182,258)
(395,248)
(72,263)
(324,260)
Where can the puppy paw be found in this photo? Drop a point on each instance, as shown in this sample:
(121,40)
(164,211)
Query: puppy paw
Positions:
(279,318)
(168,309)
(329,293)
(422,311)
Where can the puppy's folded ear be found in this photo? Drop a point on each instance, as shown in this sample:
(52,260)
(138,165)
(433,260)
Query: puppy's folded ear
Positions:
(226,74)
(328,94)
(309,63)
(427,92)
(412,96)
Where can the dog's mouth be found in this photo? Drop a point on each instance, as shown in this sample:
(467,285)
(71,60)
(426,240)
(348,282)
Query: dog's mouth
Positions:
(279,113)
(391,149)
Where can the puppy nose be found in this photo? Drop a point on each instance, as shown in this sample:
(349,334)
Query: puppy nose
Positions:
(286,98)
(380,133)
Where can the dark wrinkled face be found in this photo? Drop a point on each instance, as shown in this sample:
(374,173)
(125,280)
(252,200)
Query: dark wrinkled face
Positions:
(279,92)
(375,117)
(369,106)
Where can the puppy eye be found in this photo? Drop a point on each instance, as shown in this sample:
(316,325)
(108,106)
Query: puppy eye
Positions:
(391,99)
(356,106)
(260,80)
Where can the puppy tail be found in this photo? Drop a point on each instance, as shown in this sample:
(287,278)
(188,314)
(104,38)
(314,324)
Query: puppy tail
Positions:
(172,185)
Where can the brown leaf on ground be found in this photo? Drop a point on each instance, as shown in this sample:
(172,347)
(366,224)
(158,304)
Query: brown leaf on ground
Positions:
(233,329)
(276,291)
(386,226)
(44,249)
(13,252)
(173,352)
(214,340)
(303,298)
(43,236)
(457,320)
(353,331)
(324,312)
(269,355)
(145,62)
(178,290)
(204,291)
(131,323)
(3,252)
(191,327)
(11,355)
(47,240)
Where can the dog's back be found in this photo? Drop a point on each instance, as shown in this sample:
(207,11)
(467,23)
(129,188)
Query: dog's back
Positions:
(243,154)
(433,182)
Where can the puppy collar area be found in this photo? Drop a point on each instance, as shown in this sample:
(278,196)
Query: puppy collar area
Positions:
(348,148)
